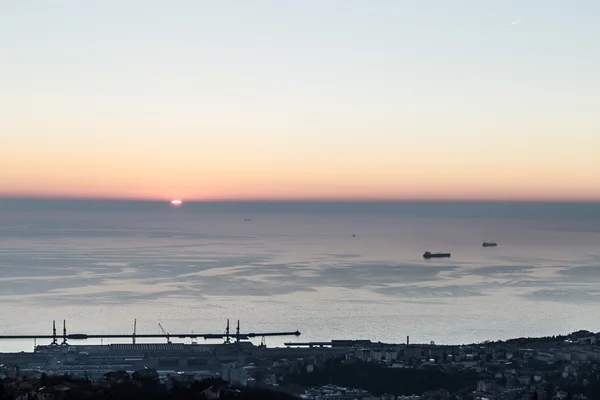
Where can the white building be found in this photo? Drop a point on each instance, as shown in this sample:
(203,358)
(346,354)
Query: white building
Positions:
(235,374)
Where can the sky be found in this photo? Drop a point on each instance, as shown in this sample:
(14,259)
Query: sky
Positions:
(312,99)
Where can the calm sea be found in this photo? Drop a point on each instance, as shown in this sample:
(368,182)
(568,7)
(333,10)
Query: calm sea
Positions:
(100,265)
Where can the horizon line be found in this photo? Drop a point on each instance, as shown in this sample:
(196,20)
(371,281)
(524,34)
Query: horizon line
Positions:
(299,200)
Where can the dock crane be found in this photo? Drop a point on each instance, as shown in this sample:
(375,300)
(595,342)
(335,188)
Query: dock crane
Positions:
(134,330)
(227,338)
(64,342)
(54,342)
(165,332)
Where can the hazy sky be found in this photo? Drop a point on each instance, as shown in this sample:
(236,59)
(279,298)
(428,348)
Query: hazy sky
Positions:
(300,99)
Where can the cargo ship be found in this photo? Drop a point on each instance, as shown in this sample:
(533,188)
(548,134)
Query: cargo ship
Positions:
(490,244)
(429,255)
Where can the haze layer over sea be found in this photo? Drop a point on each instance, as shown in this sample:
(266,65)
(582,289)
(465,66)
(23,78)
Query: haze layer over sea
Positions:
(101,264)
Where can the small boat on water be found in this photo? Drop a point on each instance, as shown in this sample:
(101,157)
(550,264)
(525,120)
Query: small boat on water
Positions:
(428,255)
(490,244)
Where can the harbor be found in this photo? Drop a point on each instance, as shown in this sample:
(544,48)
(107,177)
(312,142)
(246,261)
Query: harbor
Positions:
(83,336)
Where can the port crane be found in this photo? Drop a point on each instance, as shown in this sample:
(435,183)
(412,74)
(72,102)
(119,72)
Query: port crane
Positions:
(134,330)
(54,342)
(165,332)
(64,342)
(227,339)
(238,335)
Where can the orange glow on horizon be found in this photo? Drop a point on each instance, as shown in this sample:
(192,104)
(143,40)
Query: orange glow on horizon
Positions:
(131,174)
(334,193)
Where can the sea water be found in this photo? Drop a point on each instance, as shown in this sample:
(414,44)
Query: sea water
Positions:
(329,270)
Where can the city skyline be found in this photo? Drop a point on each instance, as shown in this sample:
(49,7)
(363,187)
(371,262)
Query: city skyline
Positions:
(204,101)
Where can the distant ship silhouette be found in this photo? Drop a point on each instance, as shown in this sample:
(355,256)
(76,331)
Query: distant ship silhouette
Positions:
(429,255)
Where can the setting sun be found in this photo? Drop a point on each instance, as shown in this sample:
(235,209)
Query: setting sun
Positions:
(176,202)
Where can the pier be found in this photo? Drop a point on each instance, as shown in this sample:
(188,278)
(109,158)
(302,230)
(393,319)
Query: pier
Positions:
(227,336)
